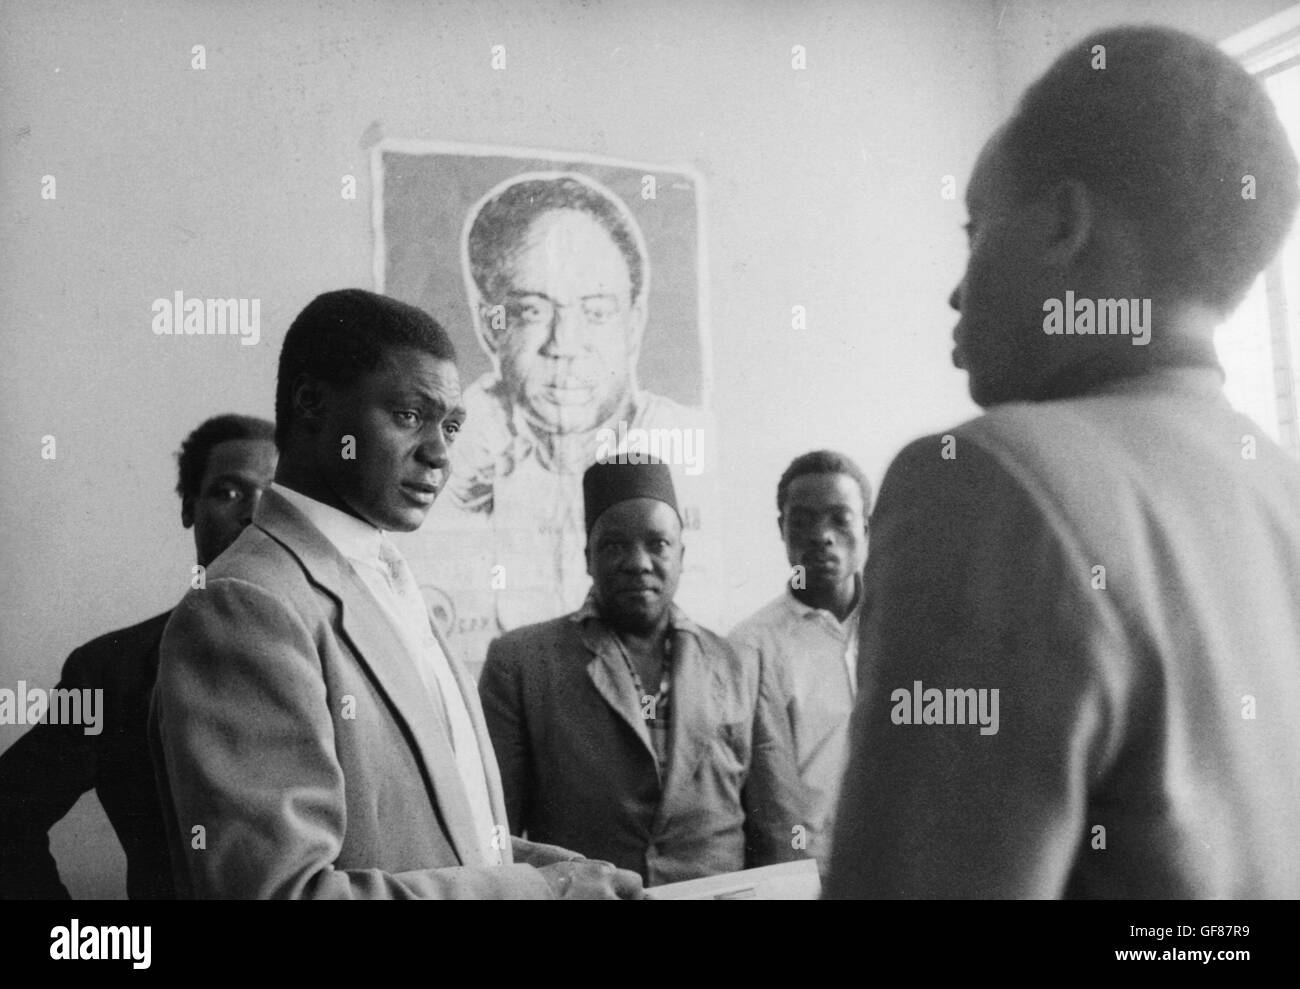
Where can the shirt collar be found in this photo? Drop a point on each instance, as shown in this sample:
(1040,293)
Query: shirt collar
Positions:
(1178,363)
(801,610)
(353,538)
(677,619)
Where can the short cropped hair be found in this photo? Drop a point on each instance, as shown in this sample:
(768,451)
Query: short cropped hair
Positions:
(193,454)
(506,215)
(1168,131)
(341,335)
(822,462)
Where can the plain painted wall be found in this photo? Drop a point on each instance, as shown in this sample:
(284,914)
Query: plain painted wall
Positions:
(823,190)
(1031,35)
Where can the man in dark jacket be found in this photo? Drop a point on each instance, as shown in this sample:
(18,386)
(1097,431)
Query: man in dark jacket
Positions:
(224,465)
(626,731)
(1074,602)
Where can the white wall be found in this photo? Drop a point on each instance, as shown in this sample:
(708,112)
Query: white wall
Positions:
(823,191)
(1030,35)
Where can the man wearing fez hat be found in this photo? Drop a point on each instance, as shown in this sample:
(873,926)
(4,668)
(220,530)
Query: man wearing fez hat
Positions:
(626,731)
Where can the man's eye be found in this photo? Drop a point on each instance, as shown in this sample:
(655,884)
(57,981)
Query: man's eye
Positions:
(453,428)
(599,309)
(228,493)
(406,417)
(528,312)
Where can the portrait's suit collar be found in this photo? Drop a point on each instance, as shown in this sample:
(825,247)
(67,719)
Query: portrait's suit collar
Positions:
(697,689)
(381,651)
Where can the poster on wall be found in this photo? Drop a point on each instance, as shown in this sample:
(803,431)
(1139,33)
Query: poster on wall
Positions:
(574,288)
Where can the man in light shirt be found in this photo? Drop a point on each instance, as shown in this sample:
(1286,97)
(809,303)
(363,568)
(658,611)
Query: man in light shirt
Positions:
(808,636)
(314,737)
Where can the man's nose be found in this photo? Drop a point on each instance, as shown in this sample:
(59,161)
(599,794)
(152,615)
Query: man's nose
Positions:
(566,333)
(433,450)
(250,506)
(954,300)
(637,560)
(821,535)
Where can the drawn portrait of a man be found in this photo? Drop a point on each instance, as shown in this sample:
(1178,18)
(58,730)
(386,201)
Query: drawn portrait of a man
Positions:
(559,273)
(556,273)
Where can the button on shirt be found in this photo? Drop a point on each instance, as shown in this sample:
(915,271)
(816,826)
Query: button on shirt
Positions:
(813,658)
(384,572)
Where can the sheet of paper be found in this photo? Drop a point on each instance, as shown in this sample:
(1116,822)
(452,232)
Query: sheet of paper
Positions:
(787,881)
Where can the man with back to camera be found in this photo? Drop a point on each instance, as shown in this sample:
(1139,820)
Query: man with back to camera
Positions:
(808,636)
(314,736)
(1102,568)
(224,465)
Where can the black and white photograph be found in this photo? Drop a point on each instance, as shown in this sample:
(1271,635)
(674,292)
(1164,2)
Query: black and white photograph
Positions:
(843,450)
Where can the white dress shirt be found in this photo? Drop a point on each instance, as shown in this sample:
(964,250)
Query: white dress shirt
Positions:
(381,568)
(814,659)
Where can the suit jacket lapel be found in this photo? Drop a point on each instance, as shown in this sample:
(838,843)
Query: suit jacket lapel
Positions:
(696,703)
(608,671)
(381,651)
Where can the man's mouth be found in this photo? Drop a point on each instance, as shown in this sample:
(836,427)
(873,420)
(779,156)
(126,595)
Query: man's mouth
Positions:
(640,592)
(568,392)
(420,492)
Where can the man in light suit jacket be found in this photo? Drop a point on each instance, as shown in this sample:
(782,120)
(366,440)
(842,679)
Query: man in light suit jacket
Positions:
(630,733)
(315,737)
(1083,608)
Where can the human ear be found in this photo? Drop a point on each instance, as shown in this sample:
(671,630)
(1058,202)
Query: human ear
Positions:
(1071,211)
(491,324)
(308,401)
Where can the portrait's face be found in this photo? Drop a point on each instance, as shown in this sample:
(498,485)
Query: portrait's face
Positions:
(634,557)
(403,418)
(572,331)
(234,476)
(824,526)
(999,338)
